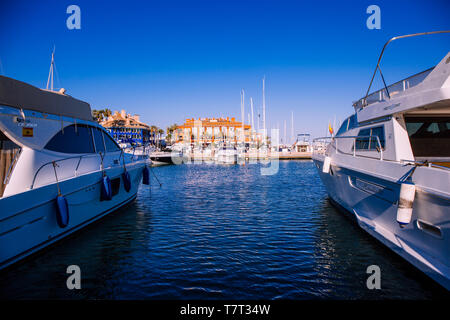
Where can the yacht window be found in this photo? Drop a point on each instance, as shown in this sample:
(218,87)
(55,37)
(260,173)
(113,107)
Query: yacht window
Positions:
(98,139)
(369,140)
(110,144)
(429,136)
(348,124)
(8,153)
(343,128)
(73,139)
(352,122)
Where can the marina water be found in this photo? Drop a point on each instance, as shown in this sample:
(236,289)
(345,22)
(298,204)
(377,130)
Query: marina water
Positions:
(221,232)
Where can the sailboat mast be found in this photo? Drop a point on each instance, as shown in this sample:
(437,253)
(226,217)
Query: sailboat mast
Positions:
(264,109)
(251,110)
(242,113)
(50,73)
(292,126)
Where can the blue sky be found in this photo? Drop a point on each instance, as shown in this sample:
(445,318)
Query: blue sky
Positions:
(170,60)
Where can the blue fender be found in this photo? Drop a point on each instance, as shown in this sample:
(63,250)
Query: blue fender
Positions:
(126,181)
(62,214)
(106,191)
(146,176)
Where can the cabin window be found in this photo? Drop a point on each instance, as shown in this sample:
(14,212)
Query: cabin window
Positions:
(352,122)
(98,139)
(110,144)
(9,152)
(343,127)
(348,124)
(368,140)
(72,139)
(429,136)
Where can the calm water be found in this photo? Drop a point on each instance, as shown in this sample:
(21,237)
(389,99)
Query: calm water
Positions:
(222,232)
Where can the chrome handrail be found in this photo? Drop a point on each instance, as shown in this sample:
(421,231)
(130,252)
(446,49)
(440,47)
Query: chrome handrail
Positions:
(336,138)
(380,150)
(381,55)
(424,163)
(59,160)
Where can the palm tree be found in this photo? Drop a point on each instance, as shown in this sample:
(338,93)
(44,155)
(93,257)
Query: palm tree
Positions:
(160,133)
(170,130)
(100,115)
(153,130)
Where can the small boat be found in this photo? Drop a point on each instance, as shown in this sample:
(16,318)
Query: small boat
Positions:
(389,166)
(59,170)
(226,155)
(161,158)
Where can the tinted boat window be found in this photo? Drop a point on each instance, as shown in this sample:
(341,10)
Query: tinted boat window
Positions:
(343,127)
(8,153)
(73,139)
(352,122)
(110,144)
(369,140)
(98,139)
(348,124)
(429,136)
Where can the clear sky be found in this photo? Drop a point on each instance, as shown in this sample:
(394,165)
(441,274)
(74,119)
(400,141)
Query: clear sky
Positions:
(171,60)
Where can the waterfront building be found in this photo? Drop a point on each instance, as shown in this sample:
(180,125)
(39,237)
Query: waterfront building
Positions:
(210,130)
(127,128)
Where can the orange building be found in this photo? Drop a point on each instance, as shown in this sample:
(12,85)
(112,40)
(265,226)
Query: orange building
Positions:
(210,130)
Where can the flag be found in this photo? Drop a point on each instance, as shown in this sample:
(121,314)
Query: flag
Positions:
(330,129)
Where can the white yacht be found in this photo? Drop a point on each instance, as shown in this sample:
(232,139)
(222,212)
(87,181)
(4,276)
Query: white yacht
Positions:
(389,166)
(59,169)
(226,155)
(303,144)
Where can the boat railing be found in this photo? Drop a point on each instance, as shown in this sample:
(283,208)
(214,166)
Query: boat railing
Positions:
(78,163)
(320,145)
(322,142)
(397,87)
(392,90)
(77,167)
(424,164)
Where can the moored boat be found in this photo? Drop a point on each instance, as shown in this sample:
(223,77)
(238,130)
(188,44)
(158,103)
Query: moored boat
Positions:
(389,166)
(60,170)
(226,155)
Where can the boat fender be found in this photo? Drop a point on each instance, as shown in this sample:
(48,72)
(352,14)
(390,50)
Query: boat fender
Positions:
(126,181)
(326,165)
(146,176)
(106,191)
(405,203)
(62,214)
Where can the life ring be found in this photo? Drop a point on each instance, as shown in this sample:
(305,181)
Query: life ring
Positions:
(62,214)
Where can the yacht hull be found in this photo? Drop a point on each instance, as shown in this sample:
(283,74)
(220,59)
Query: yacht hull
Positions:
(372,201)
(28,220)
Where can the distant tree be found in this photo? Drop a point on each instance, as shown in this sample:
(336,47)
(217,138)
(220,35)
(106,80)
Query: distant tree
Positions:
(170,130)
(153,132)
(101,115)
